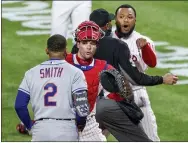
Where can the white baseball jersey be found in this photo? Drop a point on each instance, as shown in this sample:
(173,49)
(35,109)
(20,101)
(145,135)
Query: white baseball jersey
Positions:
(136,53)
(50,86)
(66,14)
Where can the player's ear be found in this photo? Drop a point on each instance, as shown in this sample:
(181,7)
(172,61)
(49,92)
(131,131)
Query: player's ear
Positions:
(109,25)
(47,52)
(78,44)
(135,19)
(106,26)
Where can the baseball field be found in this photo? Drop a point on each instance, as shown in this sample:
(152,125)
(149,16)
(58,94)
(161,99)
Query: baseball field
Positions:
(26,27)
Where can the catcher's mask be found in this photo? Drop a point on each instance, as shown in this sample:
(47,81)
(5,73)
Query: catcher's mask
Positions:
(88,30)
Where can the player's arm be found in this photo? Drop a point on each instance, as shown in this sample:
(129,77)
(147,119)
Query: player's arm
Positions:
(148,54)
(134,76)
(80,100)
(21,103)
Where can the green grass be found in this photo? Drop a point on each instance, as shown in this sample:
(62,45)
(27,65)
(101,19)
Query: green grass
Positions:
(17,4)
(162,49)
(162,21)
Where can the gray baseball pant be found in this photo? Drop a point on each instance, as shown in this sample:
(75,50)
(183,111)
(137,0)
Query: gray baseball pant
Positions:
(110,116)
(54,130)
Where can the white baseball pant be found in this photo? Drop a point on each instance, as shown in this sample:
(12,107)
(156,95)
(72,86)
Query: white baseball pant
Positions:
(149,121)
(91,132)
(66,13)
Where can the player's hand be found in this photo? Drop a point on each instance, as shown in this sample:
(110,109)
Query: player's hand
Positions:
(170,79)
(22,129)
(80,128)
(141,42)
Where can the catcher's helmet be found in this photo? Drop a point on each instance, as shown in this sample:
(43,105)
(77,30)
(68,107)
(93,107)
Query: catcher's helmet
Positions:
(88,30)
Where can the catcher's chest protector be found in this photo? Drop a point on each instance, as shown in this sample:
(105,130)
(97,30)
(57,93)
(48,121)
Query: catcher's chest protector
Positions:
(92,78)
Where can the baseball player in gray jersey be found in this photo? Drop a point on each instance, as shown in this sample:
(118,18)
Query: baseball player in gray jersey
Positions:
(58,94)
(142,51)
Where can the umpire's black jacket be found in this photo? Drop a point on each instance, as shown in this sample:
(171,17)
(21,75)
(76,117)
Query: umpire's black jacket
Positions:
(117,53)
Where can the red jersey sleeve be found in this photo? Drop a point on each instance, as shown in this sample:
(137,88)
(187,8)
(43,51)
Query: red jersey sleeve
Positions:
(149,56)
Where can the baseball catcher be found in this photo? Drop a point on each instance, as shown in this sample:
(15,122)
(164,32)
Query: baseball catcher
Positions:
(115,82)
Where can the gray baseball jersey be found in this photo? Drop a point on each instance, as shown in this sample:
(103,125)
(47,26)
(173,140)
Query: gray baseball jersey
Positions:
(50,86)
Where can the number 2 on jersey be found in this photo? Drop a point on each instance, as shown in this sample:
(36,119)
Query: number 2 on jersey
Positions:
(50,94)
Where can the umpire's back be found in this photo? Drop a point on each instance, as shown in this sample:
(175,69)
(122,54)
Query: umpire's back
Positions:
(110,49)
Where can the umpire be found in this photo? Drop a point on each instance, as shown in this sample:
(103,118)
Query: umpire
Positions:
(116,53)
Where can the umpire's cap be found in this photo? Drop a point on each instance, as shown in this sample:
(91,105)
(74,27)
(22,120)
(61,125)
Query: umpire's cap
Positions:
(101,17)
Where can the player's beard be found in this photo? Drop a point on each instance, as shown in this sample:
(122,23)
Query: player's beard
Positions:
(121,34)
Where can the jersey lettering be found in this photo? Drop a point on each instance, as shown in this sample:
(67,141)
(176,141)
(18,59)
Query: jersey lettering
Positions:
(51,72)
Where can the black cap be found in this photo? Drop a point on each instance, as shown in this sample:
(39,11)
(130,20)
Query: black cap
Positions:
(101,17)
